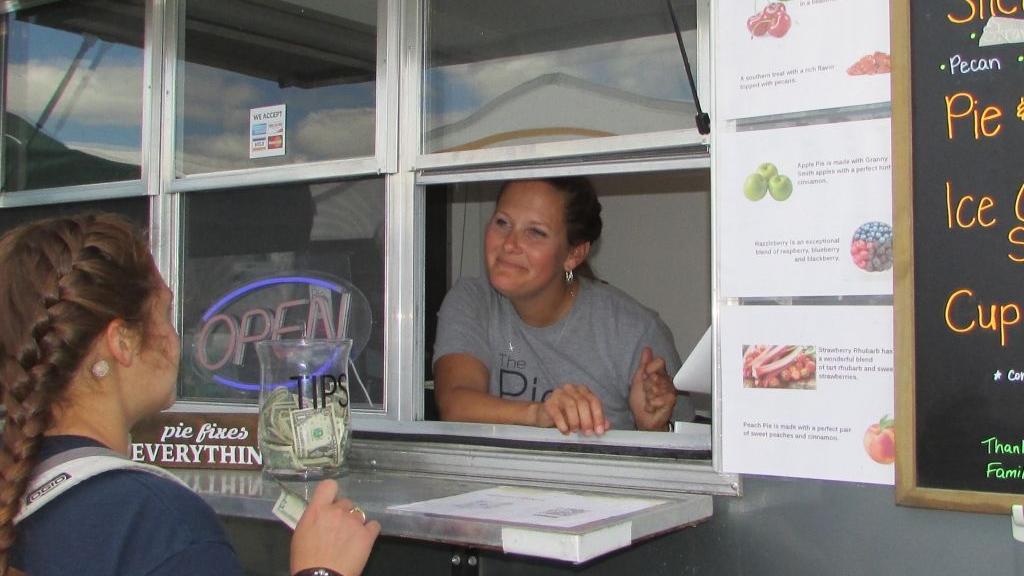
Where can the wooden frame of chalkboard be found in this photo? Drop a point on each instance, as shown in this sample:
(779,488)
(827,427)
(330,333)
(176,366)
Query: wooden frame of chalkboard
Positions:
(959,445)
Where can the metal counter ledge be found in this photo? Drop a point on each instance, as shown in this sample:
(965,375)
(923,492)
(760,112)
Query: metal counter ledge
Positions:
(251,495)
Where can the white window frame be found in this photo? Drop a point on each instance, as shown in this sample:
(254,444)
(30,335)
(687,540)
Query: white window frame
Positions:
(541,456)
(394,439)
(150,128)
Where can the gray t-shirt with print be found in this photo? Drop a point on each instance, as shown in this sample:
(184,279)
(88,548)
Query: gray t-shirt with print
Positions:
(597,344)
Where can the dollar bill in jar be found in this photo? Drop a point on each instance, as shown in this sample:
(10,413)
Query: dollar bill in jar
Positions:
(275,417)
(316,435)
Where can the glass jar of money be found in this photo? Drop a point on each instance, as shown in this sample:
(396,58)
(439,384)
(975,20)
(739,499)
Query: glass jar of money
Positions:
(304,421)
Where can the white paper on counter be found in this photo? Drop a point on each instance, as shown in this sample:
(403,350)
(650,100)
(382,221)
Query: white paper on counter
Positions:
(817,428)
(530,506)
(807,68)
(841,180)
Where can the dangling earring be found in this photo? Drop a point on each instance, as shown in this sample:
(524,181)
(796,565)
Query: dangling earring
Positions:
(569,276)
(100,369)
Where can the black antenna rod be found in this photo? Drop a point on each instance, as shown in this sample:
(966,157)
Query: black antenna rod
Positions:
(702,118)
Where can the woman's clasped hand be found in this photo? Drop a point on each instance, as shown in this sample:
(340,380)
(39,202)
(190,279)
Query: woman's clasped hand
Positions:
(652,396)
(573,408)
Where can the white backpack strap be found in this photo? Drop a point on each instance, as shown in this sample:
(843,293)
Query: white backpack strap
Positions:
(57,474)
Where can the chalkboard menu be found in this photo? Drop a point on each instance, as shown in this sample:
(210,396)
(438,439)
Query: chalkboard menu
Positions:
(958,153)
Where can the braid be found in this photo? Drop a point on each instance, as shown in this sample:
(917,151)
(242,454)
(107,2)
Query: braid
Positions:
(62,281)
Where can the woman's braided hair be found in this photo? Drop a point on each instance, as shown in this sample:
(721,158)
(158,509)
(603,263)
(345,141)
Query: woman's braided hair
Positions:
(62,281)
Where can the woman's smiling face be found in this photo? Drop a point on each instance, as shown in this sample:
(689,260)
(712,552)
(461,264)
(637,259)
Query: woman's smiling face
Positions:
(526,248)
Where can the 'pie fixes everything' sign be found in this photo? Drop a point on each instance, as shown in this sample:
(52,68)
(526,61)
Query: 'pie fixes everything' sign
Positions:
(192,440)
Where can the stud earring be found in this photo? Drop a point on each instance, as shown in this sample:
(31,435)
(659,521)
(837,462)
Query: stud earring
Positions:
(100,369)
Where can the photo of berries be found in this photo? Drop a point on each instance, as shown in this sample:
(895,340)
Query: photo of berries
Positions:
(766,179)
(871,247)
(779,366)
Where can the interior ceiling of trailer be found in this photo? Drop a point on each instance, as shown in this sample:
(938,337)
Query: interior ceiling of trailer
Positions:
(291,45)
(303,44)
(483,30)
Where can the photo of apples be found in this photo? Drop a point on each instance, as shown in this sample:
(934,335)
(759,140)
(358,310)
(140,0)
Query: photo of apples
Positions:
(785,366)
(766,179)
(871,247)
(773,21)
(880,440)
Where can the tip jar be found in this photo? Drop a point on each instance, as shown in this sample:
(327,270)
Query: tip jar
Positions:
(304,419)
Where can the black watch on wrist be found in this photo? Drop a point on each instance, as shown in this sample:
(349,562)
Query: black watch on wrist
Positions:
(317,572)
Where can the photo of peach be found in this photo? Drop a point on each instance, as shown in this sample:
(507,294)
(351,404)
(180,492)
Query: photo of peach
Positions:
(779,366)
(880,441)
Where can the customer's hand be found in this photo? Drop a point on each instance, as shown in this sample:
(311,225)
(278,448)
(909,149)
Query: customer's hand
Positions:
(332,534)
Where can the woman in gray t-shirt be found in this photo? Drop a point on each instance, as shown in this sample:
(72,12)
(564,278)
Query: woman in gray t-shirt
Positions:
(534,343)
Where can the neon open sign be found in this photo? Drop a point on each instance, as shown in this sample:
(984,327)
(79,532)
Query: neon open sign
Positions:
(275,308)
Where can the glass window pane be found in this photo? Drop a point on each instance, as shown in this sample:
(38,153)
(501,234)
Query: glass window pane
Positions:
(501,73)
(73,89)
(135,209)
(276,262)
(237,56)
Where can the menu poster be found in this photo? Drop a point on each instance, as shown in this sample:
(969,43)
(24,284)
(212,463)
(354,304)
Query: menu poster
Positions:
(806,211)
(807,392)
(778,57)
(958,134)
